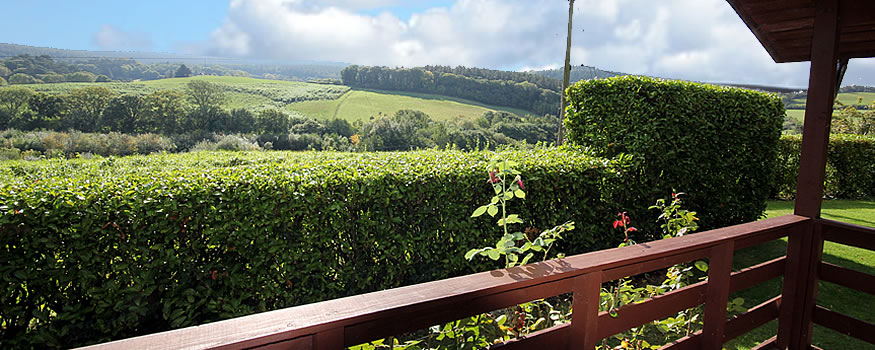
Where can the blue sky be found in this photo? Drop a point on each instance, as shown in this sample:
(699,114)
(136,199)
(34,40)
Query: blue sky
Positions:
(74,24)
(701,40)
(168,25)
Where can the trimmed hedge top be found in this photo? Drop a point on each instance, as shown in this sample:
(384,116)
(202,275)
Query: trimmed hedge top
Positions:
(717,144)
(109,248)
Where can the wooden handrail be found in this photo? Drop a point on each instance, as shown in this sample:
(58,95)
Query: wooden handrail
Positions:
(362,318)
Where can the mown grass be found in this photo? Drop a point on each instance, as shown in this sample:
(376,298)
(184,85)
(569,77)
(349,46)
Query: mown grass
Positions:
(846,301)
(364,104)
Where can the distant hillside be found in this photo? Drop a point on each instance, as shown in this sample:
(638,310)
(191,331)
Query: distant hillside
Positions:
(578,73)
(126,66)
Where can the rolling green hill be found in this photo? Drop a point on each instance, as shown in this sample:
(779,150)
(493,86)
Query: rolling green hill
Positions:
(846,98)
(249,93)
(314,100)
(363,104)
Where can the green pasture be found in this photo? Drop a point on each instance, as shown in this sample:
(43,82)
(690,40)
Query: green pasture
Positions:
(242,92)
(308,99)
(847,98)
(364,104)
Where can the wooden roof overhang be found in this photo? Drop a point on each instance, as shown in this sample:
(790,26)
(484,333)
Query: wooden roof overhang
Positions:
(785,27)
(828,33)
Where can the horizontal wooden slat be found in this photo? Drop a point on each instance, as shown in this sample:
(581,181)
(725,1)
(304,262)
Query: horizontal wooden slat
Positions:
(768,344)
(690,342)
(302,343)
(426,317)
(652,265)
(844,324)
(754,275)
(670,303)
(860,281)
(848,234)
(659,307)
(760,238)
(736,326)
(555,337)
(395,305)
(752,319)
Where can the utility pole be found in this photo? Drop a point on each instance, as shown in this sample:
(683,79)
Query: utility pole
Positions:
(560,137)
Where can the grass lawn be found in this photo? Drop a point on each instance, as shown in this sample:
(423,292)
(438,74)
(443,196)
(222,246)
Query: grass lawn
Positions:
(798,114)
(363,104)
(846,301)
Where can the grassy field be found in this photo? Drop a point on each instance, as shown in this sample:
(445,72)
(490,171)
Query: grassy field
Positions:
(798,114)
(848,98)
(307,99)
(846,301)
(363,104)
(242,92)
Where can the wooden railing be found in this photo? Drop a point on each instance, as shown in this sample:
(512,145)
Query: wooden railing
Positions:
(354,320)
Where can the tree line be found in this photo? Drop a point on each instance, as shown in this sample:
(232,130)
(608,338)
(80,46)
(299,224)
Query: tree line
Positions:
(198,113)
(523,95)
(27,69)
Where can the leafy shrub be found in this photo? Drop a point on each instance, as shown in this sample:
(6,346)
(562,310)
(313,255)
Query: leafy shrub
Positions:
(850,166)
(115,247)
(9,154)
(717,144)
(70,143)
(227,143)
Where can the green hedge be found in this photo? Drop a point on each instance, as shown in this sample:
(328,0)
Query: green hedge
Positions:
(850,166)
(715,143)
(110,248)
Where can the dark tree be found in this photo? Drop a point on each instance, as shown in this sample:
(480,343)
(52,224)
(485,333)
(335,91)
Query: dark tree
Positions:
(183,72)
(204,94)
(271,121)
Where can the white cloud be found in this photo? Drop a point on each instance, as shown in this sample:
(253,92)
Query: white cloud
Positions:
(111,38)
(701,40)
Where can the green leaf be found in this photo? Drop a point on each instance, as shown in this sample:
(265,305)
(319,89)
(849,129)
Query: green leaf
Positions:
(702,266)
(493,254)
(526,259)
(479,211)
(519,194)
(492,210)
(514,219)
(470,254)
(501,319)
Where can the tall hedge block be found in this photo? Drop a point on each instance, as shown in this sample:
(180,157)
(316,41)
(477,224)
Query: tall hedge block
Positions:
(94,250)
(717,144)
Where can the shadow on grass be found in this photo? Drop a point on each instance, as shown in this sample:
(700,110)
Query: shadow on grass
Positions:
(849,219)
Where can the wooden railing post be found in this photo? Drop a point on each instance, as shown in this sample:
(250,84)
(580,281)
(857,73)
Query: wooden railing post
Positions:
(809,287)
(717,295)
(799,294)
(584,318)
(798,246)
